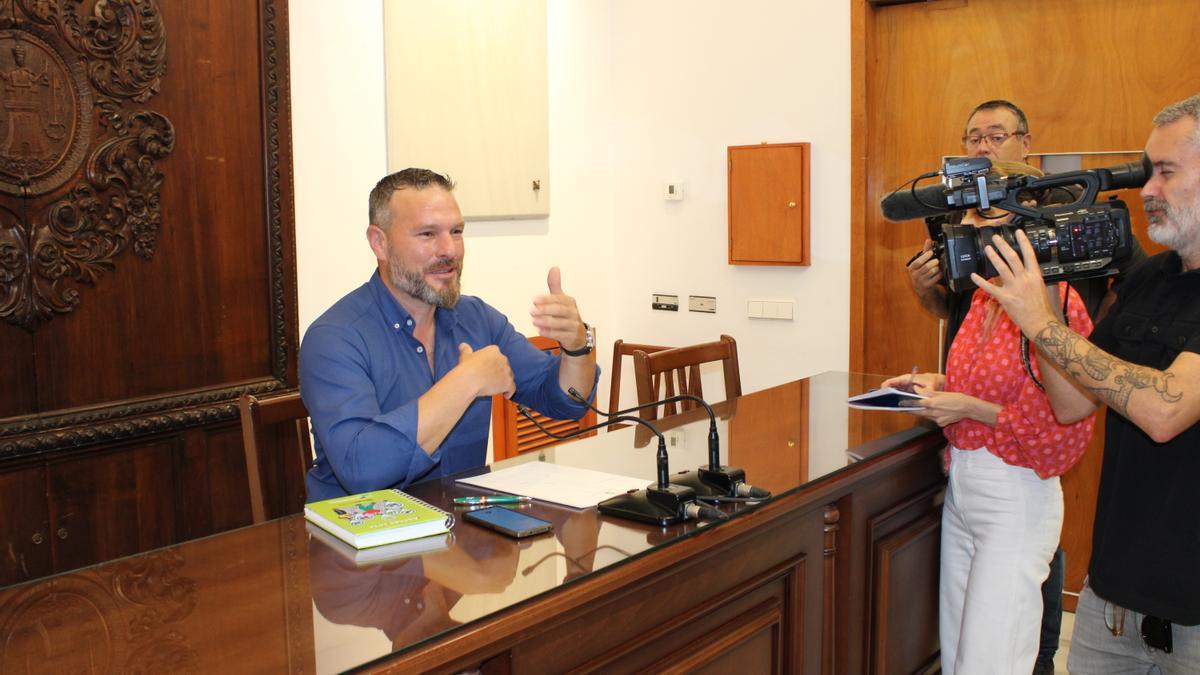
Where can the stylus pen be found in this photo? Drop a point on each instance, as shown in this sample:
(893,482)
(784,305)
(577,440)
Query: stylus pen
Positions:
(491,500)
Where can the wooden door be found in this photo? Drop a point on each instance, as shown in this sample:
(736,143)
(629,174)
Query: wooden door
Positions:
(1090,75)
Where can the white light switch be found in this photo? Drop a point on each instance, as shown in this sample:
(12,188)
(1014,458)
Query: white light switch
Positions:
(770,309)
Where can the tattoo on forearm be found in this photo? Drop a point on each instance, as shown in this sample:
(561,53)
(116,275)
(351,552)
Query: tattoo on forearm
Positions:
(1106,376)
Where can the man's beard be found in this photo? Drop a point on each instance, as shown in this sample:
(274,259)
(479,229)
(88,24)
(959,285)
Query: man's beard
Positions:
(1177,228)
(413,282)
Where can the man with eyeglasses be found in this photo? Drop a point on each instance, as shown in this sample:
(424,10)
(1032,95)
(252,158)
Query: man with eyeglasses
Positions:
(1140,609)
(999,130)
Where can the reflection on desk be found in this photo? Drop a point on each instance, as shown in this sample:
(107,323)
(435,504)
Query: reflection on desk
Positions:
(601,593)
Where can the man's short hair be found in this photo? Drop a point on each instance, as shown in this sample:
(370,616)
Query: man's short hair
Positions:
(1188,107)
(416,179)
(1001,104)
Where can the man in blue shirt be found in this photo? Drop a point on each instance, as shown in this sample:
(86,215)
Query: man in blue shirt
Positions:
(398,375)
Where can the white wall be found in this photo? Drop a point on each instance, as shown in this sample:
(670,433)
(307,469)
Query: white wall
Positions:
(338,141)
(640,92)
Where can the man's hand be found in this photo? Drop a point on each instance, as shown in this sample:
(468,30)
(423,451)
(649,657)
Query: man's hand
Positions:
(1022,293)
(489,368)
(925,273)
(556,316)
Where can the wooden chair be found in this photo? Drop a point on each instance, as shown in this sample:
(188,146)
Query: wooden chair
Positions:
(621,349)
(679,373)
(512,434)
(277,421)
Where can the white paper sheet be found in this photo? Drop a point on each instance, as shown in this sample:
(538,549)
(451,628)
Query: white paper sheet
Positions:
(569,486)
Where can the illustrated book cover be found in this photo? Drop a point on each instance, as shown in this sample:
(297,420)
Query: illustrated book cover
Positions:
(378,518)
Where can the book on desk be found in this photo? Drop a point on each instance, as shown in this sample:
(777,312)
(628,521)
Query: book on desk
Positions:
(377,518)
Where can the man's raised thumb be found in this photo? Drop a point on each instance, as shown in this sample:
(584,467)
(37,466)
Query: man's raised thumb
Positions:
(554,281)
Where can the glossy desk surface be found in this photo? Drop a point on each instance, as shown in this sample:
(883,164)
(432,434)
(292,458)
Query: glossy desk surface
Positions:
(273,596)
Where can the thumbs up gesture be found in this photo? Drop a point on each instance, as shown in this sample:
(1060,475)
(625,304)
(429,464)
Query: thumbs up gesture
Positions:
(556,316)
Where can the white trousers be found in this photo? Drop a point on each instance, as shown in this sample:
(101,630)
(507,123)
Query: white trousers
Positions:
(1000,527)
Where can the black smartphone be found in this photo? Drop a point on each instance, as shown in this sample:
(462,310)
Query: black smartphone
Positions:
(507,521)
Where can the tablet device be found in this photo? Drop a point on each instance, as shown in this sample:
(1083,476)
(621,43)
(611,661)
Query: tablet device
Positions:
(508,521)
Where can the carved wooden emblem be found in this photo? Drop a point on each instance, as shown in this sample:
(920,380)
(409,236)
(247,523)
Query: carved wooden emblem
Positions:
(78,146)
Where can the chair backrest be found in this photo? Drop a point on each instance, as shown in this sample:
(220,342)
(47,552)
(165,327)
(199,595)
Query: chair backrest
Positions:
(273,422)
(512,434)
(621,349)
(679,373)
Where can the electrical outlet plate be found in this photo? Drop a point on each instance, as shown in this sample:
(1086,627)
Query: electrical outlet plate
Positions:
(669,303)
(702,303)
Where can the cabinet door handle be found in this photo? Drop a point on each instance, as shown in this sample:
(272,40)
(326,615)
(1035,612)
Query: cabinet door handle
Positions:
(38,538)
(791,205)
(62,533)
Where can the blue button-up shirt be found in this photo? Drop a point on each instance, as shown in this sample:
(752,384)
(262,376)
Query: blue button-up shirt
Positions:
(362,371)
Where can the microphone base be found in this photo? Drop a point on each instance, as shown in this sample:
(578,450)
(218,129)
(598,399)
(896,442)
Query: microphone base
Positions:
(708,483)
(651,505)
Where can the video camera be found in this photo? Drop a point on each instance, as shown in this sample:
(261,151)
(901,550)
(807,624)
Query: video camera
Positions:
(1074,240)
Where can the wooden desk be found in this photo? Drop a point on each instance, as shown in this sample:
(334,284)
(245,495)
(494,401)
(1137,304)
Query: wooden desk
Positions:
(836,573)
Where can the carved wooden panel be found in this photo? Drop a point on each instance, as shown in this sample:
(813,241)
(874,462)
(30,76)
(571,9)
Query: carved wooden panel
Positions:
(905,549)
(144,289)
(78,83)
(162,612)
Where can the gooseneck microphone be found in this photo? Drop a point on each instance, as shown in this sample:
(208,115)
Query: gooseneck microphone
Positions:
(663,502)
(713,481)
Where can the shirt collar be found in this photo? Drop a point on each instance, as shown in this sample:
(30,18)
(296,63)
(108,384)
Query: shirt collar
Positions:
(394,313)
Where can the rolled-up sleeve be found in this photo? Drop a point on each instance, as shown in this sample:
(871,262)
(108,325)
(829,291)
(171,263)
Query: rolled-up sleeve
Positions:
(364,447)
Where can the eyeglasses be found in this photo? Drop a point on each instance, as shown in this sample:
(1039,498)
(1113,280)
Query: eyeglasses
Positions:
(996,139)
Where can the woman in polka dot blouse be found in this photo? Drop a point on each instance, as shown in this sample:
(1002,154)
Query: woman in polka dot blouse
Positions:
(1003,511)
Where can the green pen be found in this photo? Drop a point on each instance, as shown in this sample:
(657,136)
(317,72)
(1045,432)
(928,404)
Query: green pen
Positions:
(501,499)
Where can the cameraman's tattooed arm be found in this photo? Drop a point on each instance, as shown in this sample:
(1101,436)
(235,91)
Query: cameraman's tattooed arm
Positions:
(1171,405)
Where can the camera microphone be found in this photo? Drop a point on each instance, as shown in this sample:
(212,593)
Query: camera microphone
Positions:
(917,203)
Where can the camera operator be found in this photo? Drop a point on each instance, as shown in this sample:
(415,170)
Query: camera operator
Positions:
(1140,608)
(999,130)
(1003,508)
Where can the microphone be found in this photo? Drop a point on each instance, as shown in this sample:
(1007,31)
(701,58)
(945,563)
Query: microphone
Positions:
(661,503)
(709,482)
(915,203)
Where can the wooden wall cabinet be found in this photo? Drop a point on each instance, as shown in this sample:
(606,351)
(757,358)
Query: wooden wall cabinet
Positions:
(768,204)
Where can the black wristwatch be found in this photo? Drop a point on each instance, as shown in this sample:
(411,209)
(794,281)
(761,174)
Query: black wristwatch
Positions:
(587,347)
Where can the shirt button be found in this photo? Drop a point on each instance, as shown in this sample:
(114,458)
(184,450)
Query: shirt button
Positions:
(407,323)
(1154,329)
(420,350)
(396,326)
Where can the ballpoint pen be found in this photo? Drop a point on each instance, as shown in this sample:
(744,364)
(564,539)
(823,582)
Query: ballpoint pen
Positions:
(500,499)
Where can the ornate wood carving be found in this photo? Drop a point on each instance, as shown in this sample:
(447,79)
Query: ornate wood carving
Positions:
(128,133)
(75,84)
(119,619)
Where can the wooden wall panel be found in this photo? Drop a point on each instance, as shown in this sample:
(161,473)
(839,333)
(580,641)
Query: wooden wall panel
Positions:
(131,395)
(212,311)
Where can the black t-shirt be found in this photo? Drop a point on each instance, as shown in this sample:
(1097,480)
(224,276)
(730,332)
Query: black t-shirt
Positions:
(1146,542)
